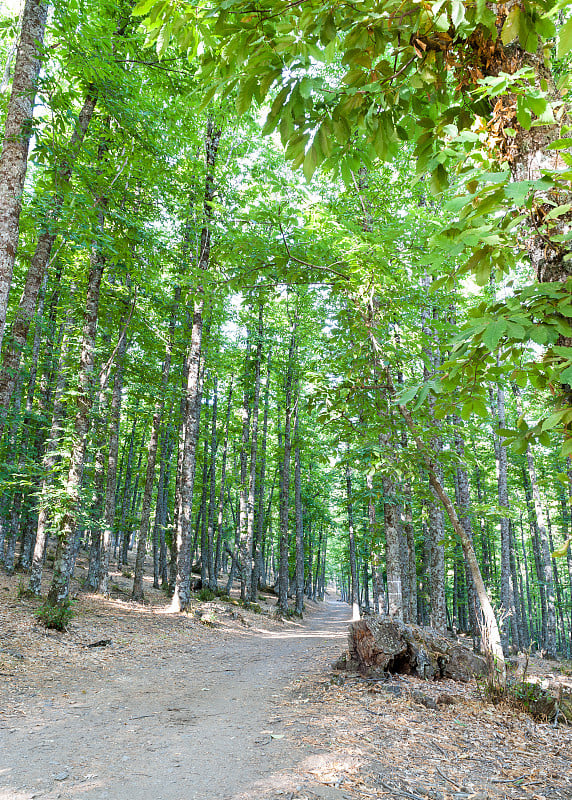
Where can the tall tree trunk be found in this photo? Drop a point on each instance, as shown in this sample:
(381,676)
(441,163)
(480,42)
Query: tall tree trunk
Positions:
(507,599)
(126,493)
(544,557)
(353,598)
(17,134)
(66,529)
(260,516)
(248,549)
(491,639)
(298,515)
(465,520)
(137,592)
(392,548)
(284,575)
(15,341)
(209,555)
(220,519)
(49,463)
(243,491)
(545,561)
(112,457)
(182,593)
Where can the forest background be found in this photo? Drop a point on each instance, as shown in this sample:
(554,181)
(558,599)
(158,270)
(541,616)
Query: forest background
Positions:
(358,374)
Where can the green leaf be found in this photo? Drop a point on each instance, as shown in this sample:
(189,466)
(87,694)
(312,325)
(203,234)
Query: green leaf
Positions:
(325,138)
(328,32)
(142,8)
(439,180)
(566,448)
(207,98)
(552,421)
(493,333)
(523,113)
(565,39)
(559,211)
(310,163)
(560,144)
(244,96)
(512,25)
(342,130)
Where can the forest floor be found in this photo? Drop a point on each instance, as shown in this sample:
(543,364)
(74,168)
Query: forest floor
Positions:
(227,704)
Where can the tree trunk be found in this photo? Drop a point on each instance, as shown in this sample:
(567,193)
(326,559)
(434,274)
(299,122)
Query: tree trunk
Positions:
(491,638)
(298,516)
(182,596)
(260,516)
(209,555)
(220,519)
(112,457)
(284,575)
(353,598)
(248,550)
(137,592)
(66,529)
(392,549)
(16,340)
(17,134)
(49,462)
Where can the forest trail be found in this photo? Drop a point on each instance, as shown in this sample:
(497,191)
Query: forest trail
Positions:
(200,719)
(227,704)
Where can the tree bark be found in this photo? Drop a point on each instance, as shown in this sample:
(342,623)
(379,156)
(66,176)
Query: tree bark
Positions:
(284,573)
(17,134)
(137,592)
(298,515)
(491,639)
(66,529)
(112,457)
(182,593)
(15,342)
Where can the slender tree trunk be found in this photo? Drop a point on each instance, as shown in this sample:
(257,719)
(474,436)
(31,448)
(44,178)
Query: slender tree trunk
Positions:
(126,495)
(392,549)
(353,599)
(17,134)
(66,529)
(544,558)
(491,640)
(209,555)
(465,520)
(137,592)
(248,551)
(299,517)
(48,464)
(15,341)
(112,457)
(260,516)
(545,561)
(220,519)
(243,492)
(507,600)
(284,576)
(182,594)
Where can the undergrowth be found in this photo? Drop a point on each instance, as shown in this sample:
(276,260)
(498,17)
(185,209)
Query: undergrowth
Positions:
(56,617)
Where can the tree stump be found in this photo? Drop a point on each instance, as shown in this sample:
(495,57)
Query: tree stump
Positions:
(381,645)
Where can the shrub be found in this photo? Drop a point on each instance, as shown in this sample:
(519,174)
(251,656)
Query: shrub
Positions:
(204,595)
(56,617)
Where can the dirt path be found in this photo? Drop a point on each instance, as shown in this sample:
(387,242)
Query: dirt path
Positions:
(175,709)
(187,716)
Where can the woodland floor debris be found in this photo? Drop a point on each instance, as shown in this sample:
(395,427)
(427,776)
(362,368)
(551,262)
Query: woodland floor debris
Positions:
(235,713)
